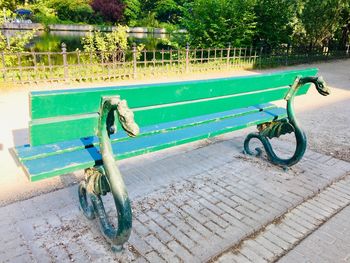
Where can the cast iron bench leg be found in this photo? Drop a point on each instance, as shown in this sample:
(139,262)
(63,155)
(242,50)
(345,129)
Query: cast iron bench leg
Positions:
(290,124)
(107,178)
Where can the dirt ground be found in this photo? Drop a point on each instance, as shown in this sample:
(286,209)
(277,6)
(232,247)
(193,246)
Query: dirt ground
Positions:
(326,121)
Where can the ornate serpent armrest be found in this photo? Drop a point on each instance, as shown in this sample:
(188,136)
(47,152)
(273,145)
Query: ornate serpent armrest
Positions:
(106,178)
(290,124)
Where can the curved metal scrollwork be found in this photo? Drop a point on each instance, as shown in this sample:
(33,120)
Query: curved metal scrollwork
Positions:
(274,129)
(107,178)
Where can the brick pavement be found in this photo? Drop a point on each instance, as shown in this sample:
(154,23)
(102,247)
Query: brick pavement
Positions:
(330,243)
(190,204)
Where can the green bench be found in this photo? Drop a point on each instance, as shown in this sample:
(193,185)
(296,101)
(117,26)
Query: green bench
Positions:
(90,128)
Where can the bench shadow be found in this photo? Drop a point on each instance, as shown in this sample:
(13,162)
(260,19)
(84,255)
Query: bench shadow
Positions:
(13,154)
(20,136)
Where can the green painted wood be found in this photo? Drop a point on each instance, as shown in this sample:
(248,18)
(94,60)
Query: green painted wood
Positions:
(177,111)
(48,104)
(28,153)
(62,163)
(42,133)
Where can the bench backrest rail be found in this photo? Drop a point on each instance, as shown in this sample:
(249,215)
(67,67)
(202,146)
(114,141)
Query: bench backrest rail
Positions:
(72,114)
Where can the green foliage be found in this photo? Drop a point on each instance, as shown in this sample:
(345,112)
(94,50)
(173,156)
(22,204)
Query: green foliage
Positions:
(268,23)
(132,11)
(168,11)
(14,44)
(106,42)
(44,14)
(8,4)
(148,6)
(216,23)
(73,10)
(320,20)
(343,32)
(274,21)
(149,20)
(5,13)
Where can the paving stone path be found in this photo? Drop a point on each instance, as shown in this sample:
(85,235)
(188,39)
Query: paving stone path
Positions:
(284,235)
(330,243)
(194,203)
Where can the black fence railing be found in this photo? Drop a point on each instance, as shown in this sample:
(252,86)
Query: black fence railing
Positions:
(29,67)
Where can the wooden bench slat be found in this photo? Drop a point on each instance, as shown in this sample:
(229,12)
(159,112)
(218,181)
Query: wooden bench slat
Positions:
(27,152)
(45,133)
(48,166)
(48,104)
(172,112)
(61,129)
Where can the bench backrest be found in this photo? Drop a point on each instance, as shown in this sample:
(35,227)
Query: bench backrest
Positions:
(61,115)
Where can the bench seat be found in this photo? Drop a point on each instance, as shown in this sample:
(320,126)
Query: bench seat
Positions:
(49,160)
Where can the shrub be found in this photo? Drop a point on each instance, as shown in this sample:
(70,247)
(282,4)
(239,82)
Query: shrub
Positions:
(111,10)
(103,46)
(78,11)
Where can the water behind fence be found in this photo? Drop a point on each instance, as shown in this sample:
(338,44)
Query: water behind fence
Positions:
(34,67)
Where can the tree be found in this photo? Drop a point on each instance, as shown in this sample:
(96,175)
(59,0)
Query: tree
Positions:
(168,11)
(132,11)
(8,4)
(320,20)
(73,10)
(274,21)
(342,35)
(111,10)
(42,13)
(215,23)
(149,20)
(148,6)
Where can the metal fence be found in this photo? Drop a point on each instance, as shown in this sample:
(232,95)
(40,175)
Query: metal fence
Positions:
(35,67)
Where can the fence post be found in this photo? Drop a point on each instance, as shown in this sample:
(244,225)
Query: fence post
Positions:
(162,53)
(134,60)
(287,56)
(79,65)
(187,56)
(171,57)
(250,55)
(260,57)
(3,65)
(64,56)
(228,55)
(35,66)
(20,66)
